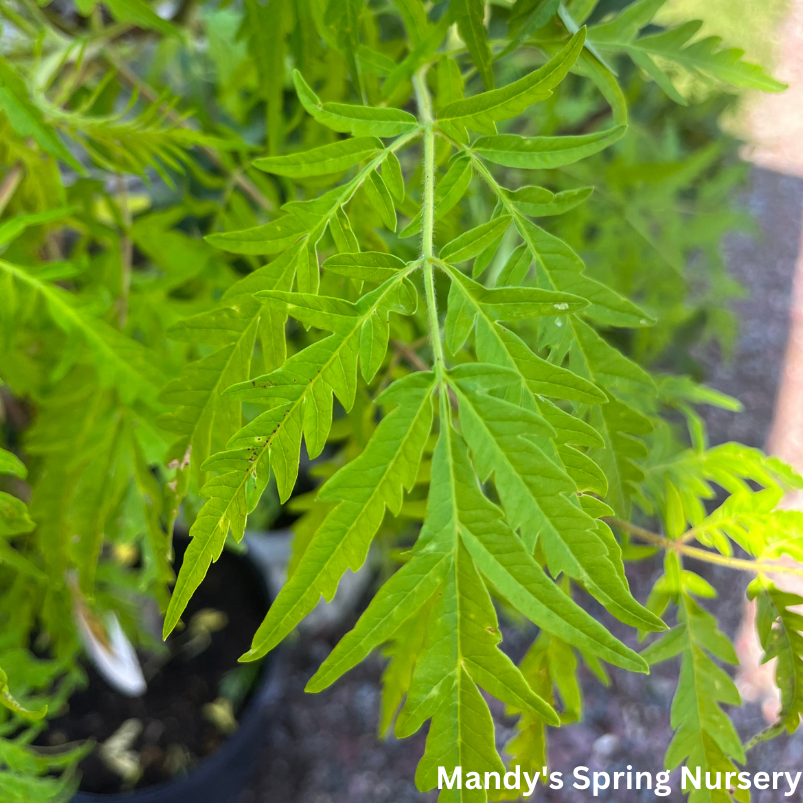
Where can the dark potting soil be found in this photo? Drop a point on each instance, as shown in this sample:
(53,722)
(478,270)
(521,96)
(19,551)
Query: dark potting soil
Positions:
(175,733)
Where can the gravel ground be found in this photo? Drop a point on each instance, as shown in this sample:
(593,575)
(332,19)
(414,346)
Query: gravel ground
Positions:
(765,266)
(323,748)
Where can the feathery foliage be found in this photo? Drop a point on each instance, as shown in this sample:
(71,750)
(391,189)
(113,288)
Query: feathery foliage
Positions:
(440,265)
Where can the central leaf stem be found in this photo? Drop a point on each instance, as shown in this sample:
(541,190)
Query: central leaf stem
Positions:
(428,214)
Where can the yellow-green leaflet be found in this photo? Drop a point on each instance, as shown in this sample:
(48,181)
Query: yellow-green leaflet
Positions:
(333,158)
(481,111)
(538,153)
(358,120)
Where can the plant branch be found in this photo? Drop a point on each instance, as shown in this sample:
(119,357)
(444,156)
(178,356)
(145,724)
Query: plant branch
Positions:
(428,213)
(755,566)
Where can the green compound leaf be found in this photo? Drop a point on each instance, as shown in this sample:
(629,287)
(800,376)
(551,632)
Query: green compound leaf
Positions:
(391,461)
(299,398)
(458,508)
(780,631)
(539,497)
(705,737)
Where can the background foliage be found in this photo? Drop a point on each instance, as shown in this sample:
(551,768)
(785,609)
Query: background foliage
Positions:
(199,270)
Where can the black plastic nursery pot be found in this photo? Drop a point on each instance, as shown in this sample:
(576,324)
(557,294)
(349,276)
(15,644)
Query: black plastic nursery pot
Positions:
(170,715)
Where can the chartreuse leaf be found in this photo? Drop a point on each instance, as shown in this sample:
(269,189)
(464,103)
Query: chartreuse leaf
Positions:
(369,266)
(7,700)
(516,446)
(622,428)
(11,464)
(363,489)
(13,228)
(537,201)
(509,304)
(269,238)
(357,120)
(379,197)
(549,664)
(460,655)
(306,221)
(14,518)
(469,15)
(27,119)
(565,14)
(498,345)
(299,401)
(423,49)
(527,16)
(617,422)
(392,174)
(540,153)
(206,419)
(696,472)
(399,598)
(705,738)
(121,361)
(608,366)
(403,650)
(676,46)
(332,158)
(755,521)
(203,412)
(342,233)
(780,631)
(564,270)
(472,242)
(141,15)
(342,18)
(519,487)
(452,187)
(481,111)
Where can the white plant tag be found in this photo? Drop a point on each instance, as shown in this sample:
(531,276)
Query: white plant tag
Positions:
(109,650)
